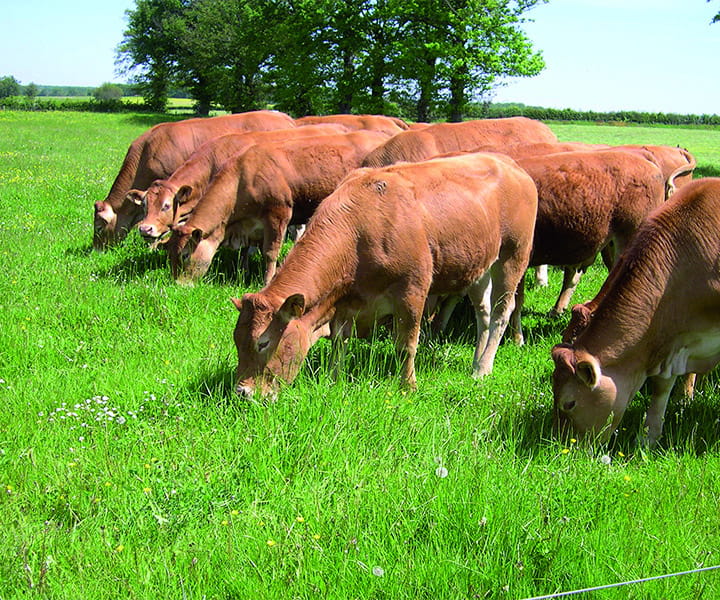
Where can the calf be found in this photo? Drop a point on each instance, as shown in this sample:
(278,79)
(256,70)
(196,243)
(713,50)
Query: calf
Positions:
(156,154)
(442,138)
(169,202)
(254,197)
(383,242)
(381,123)
(587,200)
(656,318)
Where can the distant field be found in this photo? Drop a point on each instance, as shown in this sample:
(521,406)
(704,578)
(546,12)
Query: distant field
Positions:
(128,469)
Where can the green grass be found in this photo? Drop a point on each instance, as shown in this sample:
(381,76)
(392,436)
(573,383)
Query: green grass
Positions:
(129,470)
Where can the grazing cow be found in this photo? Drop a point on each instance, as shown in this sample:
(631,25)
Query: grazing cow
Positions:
(656,318)
(587,200)
(383,242)
(381,123)
(156,154)
(168,202)
(442,138)
(255,196)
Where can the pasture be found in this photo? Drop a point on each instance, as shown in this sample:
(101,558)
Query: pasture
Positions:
(129,469)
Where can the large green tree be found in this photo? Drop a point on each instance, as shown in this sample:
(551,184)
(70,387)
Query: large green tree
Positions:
(9,86)
(149,49)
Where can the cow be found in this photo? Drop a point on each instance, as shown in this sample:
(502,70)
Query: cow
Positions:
(442,138)
(656,318)
(383,242)
(168,202)
(254,197)
(587,200)
(156,154)
(381,123)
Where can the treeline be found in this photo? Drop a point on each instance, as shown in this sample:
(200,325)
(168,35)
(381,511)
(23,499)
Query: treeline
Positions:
(425,59)
(475,111)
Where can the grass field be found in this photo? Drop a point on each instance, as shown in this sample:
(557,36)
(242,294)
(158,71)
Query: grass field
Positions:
(128,469)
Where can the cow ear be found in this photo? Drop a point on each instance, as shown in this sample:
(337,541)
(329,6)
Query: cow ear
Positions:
(237,302)
(588,371)
(564,356)
(292,308)
(183,194)
(136,197)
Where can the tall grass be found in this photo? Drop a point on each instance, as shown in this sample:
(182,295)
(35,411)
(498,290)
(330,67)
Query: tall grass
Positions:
(128,469)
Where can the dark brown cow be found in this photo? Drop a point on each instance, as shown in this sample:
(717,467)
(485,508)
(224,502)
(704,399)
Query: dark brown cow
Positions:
(169,202)
(381,123)
(383,242)
(156,154)
(587,200)
(254,197)
(442,138)
(657,317)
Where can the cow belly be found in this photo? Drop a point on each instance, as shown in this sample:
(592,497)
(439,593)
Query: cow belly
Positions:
(698,352)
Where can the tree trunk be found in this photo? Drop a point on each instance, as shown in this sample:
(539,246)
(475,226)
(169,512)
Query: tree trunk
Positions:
(425,81)
(345,85)
(457,98)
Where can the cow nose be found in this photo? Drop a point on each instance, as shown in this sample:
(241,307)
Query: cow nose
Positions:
(568,406)
(147,230)
(244,391)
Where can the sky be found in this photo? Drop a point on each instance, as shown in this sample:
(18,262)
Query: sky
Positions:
(604,55)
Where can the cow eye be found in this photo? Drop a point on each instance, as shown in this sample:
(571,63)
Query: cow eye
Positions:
(165,207)
(262,345)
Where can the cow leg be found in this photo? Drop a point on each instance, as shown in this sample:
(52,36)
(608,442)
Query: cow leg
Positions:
(275,229)
(571,278)
(661,388)
(406,323)
(541,276)
(515,325)
(199,260)
(442,318)
(480,294)
(506,276)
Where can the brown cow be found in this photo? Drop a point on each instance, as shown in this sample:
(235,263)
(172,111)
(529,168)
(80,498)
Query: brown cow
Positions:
(381,123)
(168,202)
(657,318)
(254,197)
(586,200)
(156,154)
(442,138)
(378,246)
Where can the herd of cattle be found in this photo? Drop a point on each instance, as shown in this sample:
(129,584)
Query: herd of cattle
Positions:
(405,220)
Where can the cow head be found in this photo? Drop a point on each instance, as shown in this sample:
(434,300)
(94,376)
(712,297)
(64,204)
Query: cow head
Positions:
(585,399)
(111,226)
(160,207)
(272,343)
(187,258)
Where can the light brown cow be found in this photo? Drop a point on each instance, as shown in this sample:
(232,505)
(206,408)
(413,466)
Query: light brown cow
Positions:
(254,197)
(156,154)
(381,123)
(657,318)
(442,138)
(169,202)
(587,200)
(377,247)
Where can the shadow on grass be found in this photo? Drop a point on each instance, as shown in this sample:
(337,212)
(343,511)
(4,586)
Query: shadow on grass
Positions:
(215,384)
(707,171)
(151,119)
(80,251)
(135,266)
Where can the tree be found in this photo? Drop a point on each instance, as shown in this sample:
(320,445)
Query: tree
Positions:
(149,47)
(108,92)
(456,50)
(9,86)
(31,91)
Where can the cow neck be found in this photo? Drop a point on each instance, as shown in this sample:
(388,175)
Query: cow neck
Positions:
(633,304)
(218,202)
(194,172)
(321,266)
(126,176)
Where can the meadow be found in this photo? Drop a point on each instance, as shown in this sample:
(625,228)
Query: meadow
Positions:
(129,469)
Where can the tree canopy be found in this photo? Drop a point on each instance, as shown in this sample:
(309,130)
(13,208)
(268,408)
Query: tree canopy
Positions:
(420,59)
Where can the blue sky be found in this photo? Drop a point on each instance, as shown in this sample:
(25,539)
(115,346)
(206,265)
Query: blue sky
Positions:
(650,55)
